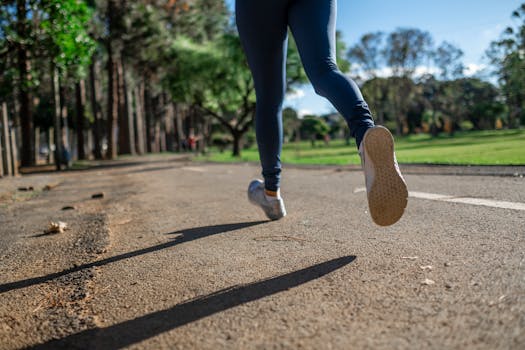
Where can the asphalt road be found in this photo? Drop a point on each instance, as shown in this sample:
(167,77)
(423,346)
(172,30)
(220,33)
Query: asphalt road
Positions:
(175,257)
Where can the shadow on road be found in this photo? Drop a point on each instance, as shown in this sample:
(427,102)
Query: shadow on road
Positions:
(141,328)
(185,236)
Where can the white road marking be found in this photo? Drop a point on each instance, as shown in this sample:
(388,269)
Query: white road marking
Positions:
(463,200)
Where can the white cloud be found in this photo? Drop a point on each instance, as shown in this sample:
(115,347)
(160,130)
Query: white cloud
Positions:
(422,70)
(295,95)
(385,72)
(474,68)
(302,112)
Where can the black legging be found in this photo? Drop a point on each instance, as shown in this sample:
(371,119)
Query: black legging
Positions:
(263,29)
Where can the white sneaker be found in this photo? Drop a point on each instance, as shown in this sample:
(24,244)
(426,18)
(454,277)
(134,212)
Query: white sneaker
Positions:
(386,189)
(273,208)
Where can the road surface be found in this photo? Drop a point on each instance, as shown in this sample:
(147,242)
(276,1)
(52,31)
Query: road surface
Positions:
(174,257)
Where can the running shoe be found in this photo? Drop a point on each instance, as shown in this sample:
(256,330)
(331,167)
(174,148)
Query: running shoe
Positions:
(385,187)
(273,207)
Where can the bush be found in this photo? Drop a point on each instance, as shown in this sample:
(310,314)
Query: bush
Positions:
(466,125)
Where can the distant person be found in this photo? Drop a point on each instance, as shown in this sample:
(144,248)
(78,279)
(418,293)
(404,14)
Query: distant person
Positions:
(263,28)
(192,140)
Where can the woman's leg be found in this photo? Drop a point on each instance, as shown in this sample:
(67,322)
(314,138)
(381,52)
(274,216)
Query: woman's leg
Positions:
(313,25)
(262,28)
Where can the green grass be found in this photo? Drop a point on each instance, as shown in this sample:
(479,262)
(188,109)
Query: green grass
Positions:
(474,148)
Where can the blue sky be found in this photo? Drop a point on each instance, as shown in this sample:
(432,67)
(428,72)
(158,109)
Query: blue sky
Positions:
(469,24)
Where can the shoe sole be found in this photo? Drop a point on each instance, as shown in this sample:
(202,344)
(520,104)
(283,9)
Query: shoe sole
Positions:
(388,194)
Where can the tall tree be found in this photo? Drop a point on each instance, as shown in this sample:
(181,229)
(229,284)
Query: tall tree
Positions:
(314,128)
(80,96)
(447,58)
(216,78)
(508,56)
(112,85)
(367,53)
(291,124)
(23,32)
(53,30)
(406,50)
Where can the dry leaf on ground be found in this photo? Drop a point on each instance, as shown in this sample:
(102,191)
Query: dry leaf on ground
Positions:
(56,227)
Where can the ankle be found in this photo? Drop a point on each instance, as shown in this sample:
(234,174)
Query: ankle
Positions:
(272,195)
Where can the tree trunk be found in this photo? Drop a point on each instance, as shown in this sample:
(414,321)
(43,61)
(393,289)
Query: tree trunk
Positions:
(157,146)
(50,141)
(381,116)
(37,144)
(399,121)
(161,121)
(128,95)
(124,139)
(97,127)
(179,133)
(139,118)
(148,112)
(169,126)
(64,136)
(112,121)
(201,132)
(56,120)
(80,92)
(6,145)
(24,96)
(237,137)
(112,87)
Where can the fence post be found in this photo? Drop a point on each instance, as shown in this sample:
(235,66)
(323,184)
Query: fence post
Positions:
(6,145)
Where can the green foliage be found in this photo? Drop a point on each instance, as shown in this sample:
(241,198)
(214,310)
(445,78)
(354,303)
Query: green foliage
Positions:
(475,100)
(295,73)
(65,35)
(466,125)
(201,20)
(314,128)
(56,30)
(508,56)
(214,75)
(145,39)
(342,62)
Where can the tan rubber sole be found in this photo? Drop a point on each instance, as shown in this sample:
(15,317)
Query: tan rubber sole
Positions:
(388,194)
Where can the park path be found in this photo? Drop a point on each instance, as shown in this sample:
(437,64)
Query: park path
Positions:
(184,261)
